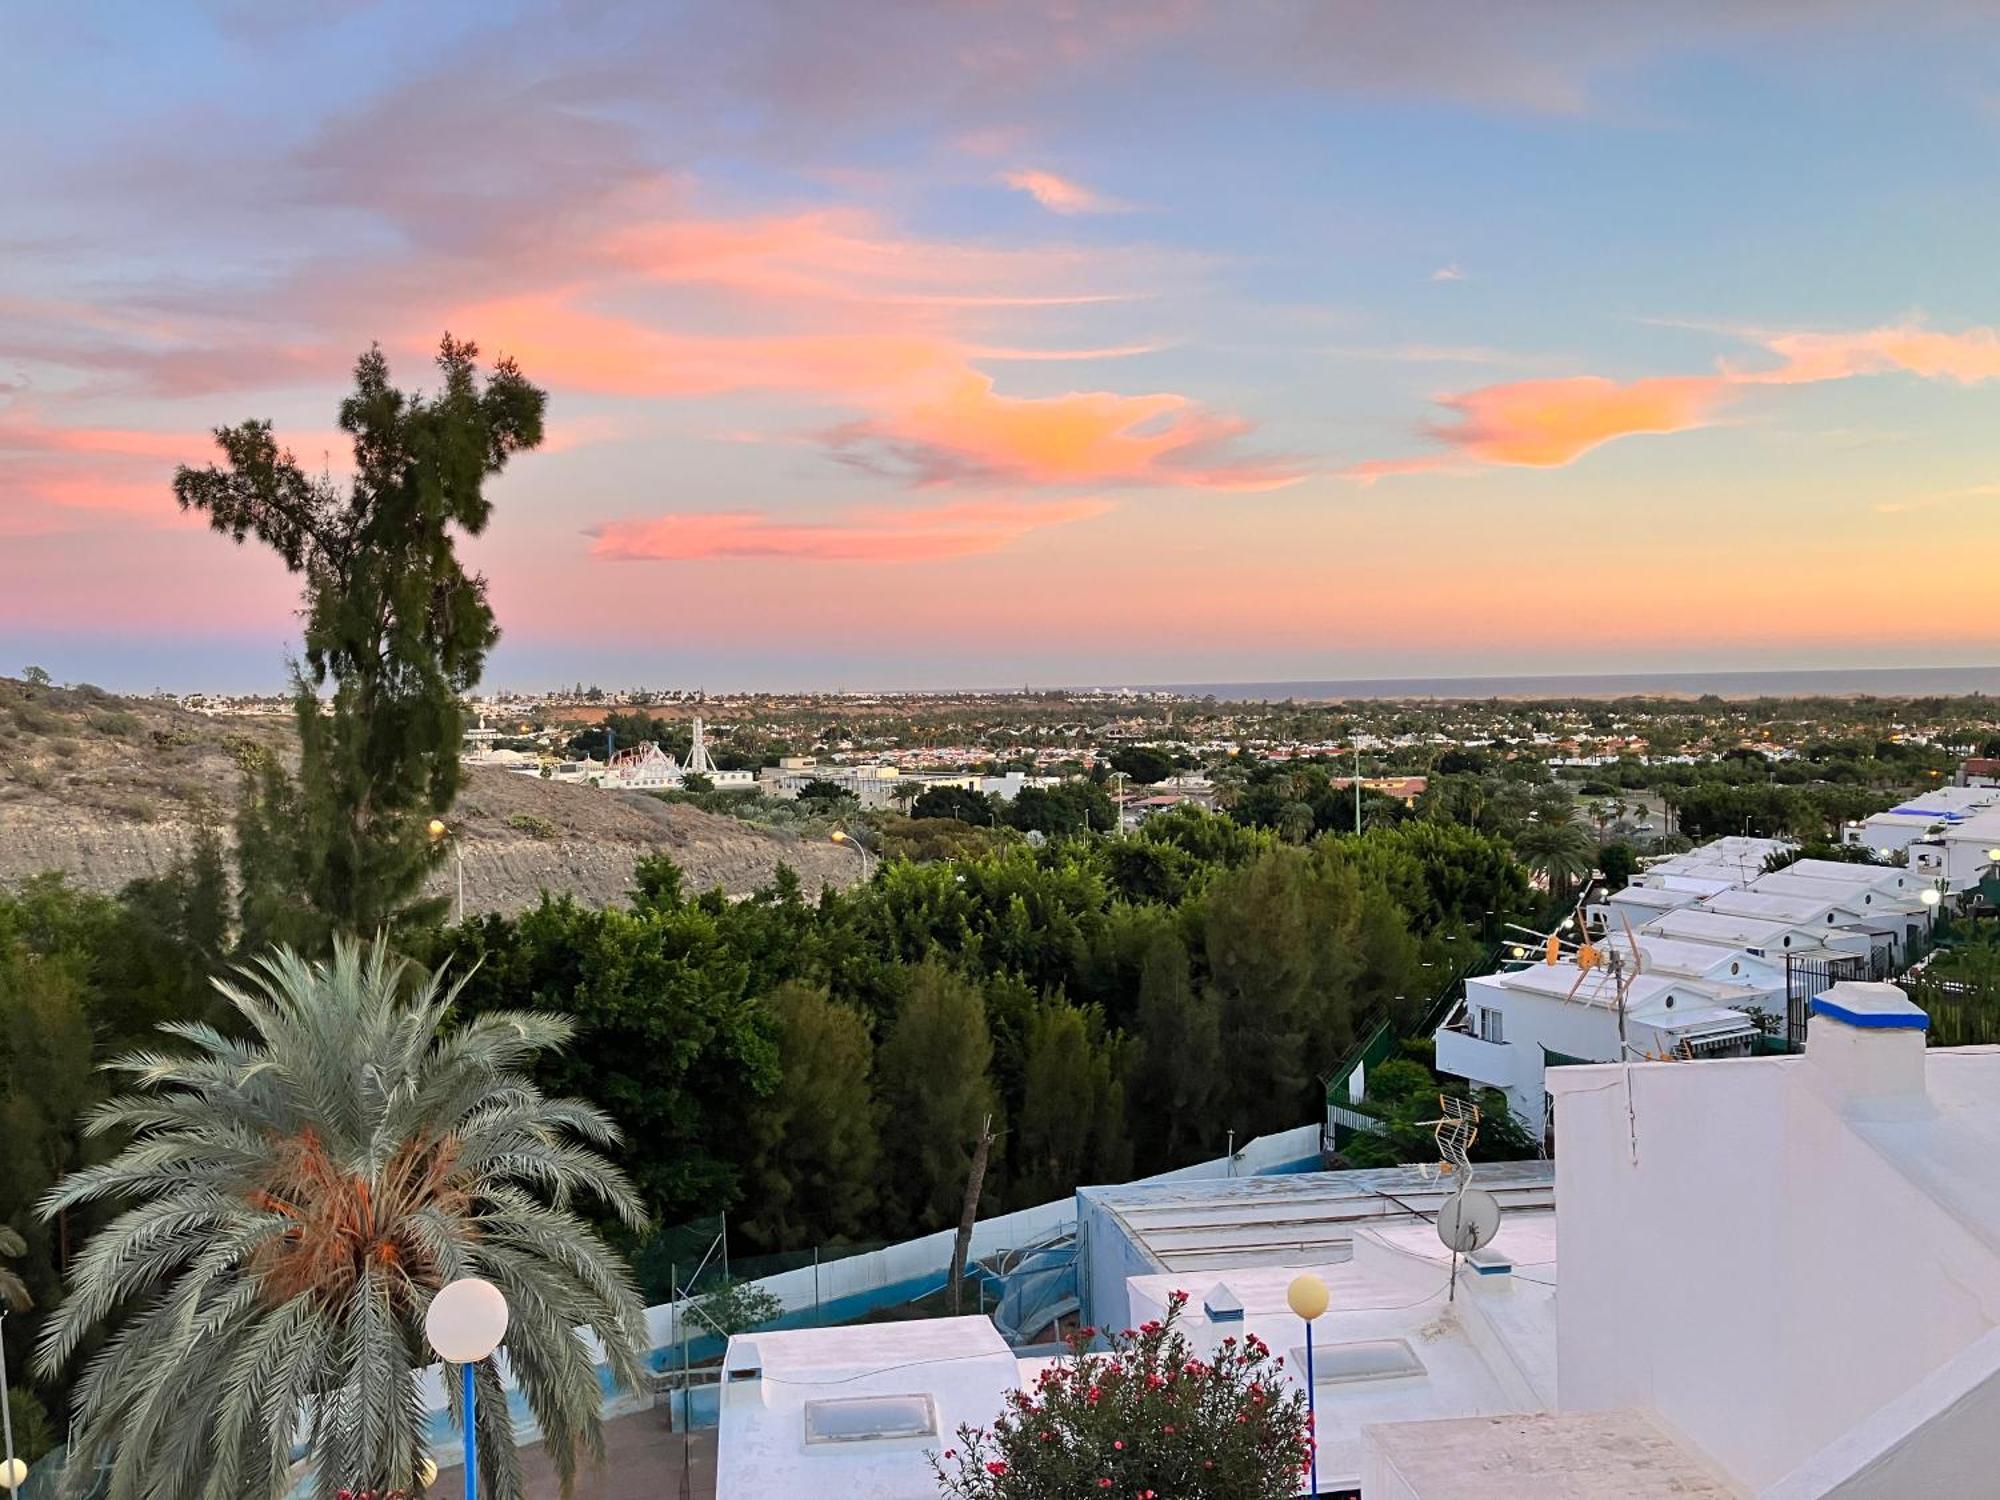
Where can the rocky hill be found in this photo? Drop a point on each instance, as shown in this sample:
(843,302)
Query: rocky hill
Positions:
(106,789)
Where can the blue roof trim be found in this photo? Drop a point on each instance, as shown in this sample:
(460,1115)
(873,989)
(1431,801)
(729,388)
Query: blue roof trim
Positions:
(1910,1020)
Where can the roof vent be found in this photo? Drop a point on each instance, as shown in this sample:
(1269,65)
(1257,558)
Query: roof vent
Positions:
(1866,1043)
(1222,1305)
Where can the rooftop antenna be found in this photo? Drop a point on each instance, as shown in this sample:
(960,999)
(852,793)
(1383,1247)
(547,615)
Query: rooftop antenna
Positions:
(1470,1216)
(1622,969)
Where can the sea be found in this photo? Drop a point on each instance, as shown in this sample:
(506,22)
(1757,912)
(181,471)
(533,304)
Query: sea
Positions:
(1829,682)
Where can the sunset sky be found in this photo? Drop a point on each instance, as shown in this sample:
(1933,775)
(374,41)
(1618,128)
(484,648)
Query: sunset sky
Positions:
(922,343)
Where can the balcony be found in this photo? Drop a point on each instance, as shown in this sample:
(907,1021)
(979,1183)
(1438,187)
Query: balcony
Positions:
(1466,1056)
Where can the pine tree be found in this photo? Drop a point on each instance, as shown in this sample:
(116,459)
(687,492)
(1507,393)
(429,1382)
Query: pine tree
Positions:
(819,1134)
(1179,1042)
(395,625)
(935,1091)
(1072,1127)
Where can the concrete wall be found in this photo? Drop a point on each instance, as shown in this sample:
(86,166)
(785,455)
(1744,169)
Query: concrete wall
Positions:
(1751,1269)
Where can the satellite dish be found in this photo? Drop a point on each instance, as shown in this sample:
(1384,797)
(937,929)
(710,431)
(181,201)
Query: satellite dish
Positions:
(1468,1220)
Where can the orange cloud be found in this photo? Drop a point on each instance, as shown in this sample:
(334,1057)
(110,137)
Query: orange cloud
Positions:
(1548,423)
(1059,195)
(923,535)
(1967,357)
(964,429)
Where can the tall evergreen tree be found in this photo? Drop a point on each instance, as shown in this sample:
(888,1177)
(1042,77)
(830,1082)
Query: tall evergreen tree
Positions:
(1178,1037)
(1072,1126)
(935,1091)
(394,624)
(818,1135)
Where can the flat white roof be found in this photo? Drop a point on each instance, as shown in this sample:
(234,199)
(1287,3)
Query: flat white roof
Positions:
(949,1371)
(1850,895)
(1198,1228)
(1644,992)
(1391,1307)
(1659,954)
(1610,1455)
(1843,873)
(1777,906)
(1654,898)
(1704,926)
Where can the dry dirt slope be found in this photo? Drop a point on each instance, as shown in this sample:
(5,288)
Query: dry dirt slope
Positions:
(106,789)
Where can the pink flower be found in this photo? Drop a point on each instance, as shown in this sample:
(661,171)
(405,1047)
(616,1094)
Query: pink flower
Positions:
(996,1468)
(951,1453)
(1104,1484)
(1119,1444)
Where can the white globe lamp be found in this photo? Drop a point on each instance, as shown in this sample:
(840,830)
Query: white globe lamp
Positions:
(466,1322)
(13,1474)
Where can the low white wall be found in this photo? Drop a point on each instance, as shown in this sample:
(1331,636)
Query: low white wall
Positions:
(1941,1437)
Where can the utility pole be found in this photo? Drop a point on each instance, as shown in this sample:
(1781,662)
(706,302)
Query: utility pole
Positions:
(1357,783)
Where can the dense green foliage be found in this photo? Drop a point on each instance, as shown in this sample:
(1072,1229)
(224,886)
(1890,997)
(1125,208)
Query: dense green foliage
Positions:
(823,1069)
(395,626)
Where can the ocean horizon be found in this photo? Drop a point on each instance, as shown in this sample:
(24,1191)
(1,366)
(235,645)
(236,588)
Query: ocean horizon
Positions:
(1822,682)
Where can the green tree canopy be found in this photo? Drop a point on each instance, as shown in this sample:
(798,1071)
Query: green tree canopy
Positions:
(395,626)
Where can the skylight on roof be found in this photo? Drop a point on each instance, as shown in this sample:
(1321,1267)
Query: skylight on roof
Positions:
(861,1419)
(1366,1359)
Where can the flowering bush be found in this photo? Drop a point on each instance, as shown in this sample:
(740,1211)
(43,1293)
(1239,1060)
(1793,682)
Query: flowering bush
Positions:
(1149,1419)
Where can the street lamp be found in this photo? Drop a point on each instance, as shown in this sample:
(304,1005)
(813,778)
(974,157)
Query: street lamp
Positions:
(439,832)
(1307,1296)
(13,1472)
(465,1324)
(842,836)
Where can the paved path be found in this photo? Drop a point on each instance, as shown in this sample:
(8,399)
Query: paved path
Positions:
(642,1461)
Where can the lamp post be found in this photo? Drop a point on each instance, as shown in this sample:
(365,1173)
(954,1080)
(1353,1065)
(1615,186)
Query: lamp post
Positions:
(13,1473)
(465,1324)
(439,832)
(842,836)
(1307,1297)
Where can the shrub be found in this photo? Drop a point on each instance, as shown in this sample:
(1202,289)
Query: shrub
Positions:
(532,824)
(1147,1418)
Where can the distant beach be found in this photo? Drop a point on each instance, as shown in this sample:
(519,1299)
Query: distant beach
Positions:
(1831,682)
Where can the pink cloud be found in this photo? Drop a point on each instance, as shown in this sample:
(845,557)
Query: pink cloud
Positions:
(964,429)
(874,535)
(1059,195)
(1548,423)
(1968,357)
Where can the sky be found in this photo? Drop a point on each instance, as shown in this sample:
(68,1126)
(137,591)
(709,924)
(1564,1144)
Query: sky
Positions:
(906,343)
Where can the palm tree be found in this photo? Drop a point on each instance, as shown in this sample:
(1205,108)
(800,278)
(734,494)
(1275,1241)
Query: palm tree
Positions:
(1295,822)
(296,1199)
(1564,852)
(13,1290)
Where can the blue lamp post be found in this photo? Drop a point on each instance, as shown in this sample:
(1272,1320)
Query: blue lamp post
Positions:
(465,1324)
(1307,1297)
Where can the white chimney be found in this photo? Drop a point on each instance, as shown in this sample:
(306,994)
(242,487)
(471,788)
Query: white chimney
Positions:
(1221,1318)
(743,1373)
(1866,1043)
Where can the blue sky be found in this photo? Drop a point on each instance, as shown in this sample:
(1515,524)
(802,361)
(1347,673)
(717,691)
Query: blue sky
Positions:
(916,343)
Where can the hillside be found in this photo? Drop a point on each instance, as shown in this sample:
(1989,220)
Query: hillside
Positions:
(106,790)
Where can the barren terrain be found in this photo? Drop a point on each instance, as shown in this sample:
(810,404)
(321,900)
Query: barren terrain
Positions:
(106,790)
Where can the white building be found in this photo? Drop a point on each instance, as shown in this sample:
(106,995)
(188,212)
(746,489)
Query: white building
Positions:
(1845,1343)
(1929,816)
(826,1413)
(1712,950)
(1780,1279)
